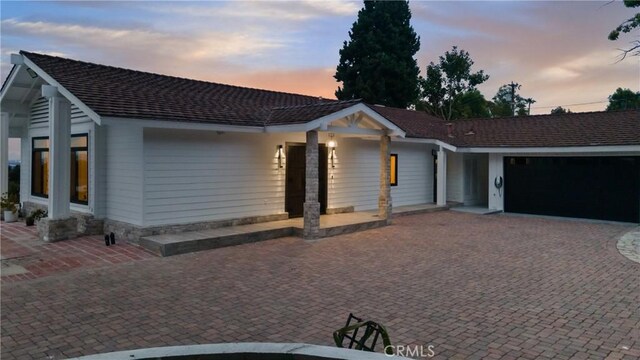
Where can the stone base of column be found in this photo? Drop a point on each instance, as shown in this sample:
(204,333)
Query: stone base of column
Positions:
(311,220)
(384,209)
(59,229)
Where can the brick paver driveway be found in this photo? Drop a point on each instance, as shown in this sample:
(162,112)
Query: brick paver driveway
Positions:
(473,286)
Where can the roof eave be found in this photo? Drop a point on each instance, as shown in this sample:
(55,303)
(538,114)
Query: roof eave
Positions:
(66,93)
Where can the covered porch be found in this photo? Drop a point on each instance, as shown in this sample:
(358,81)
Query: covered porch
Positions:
(329,225)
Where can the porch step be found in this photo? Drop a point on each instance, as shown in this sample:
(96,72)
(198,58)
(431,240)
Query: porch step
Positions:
(478,210)
(187,242)
(330,225)
(418,209)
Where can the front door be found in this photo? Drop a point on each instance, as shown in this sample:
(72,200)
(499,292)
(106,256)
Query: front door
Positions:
(296,175)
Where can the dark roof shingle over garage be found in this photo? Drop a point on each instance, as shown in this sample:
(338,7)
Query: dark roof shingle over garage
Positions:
(575,129)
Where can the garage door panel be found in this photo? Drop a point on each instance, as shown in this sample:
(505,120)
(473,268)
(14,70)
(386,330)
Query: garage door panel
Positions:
(606,188)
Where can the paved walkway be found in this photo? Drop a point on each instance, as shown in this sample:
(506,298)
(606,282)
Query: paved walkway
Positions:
(629,245)
(472,286)
(25,257)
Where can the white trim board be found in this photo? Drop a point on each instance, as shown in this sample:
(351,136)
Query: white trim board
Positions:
(171,124)
(428,141)
(558,149)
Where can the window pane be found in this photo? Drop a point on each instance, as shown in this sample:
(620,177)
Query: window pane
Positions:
(81,176)
(393,164)
(40,176)
(41,143)
(79,141)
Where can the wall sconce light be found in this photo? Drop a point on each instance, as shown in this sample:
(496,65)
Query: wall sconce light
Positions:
(280,156)
(32,73)
(332,149)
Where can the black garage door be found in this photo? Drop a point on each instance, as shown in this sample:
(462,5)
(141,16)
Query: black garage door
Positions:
(605,188)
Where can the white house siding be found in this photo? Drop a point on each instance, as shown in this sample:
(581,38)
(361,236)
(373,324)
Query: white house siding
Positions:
(483,173)
(455,177)
(415,174)
(355,181)
(37,126)
(123,173)
(99,157)
(193,176)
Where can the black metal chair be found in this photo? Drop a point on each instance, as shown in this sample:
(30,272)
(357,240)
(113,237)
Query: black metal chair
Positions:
(372,331)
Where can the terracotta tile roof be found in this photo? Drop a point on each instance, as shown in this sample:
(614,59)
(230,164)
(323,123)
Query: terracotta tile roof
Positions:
(575,129)
(117,92)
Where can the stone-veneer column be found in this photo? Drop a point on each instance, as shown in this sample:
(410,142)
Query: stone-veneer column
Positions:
(311,204)
(384,200)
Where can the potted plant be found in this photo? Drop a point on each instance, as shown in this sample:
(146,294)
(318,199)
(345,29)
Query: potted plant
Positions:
(35,216)
(9,205)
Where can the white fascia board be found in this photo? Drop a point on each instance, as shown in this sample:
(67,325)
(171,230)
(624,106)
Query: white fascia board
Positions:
(12,77)
(181,125)
(428,141)
(66,93)
(286,128)
(563,149)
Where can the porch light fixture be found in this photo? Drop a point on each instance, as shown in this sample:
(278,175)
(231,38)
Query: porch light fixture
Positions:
(32,73)
(280,156)
(331,144)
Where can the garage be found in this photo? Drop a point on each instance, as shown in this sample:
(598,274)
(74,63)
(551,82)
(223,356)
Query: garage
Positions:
(603,188)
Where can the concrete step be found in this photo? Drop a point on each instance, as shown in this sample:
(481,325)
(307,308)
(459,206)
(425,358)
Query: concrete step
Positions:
(330,225)
(187,242)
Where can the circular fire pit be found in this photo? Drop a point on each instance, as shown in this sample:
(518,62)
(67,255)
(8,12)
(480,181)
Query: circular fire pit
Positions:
(242,351)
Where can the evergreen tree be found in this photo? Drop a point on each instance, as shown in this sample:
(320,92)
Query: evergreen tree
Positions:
(628,26)
(560,110)
(470,104)
(507,102)
(624,99)
(377,63)
(448,81)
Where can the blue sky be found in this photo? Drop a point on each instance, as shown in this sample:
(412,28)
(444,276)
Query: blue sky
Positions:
(558,51)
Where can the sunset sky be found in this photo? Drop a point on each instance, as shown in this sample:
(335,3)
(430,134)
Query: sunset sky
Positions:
(558,51)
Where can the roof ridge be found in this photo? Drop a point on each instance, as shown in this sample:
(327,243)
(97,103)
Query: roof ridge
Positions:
(27,53)
(319,103)
(546,115)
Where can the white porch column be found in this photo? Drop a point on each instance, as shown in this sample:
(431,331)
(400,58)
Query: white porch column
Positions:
(384,199)
(59,153)
(441,191)
(4,153)
(311,202)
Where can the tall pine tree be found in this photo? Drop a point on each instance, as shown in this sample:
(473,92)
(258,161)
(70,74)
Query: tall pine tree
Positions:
(377,63)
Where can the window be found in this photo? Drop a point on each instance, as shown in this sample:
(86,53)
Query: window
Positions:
(79,166)
(393,171)
(40,167)
(79,169)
